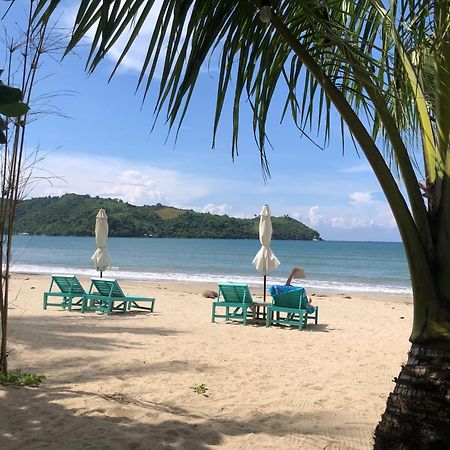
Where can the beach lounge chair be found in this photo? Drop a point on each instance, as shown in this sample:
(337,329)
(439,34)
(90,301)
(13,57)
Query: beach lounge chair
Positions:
(106,295)
(236,297)
(291,308)
(69,289)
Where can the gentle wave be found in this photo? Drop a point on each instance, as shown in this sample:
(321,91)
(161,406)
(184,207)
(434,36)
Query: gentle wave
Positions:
(210,278)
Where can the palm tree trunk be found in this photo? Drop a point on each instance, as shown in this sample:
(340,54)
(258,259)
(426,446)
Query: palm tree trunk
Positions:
(417,414)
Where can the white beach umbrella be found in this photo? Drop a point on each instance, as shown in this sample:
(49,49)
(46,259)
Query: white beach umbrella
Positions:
(265,261)
(101,257)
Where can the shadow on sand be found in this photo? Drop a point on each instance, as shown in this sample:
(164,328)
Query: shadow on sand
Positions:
(35,419)
(86,332)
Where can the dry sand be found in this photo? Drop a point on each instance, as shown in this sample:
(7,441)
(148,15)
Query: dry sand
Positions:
(125,381)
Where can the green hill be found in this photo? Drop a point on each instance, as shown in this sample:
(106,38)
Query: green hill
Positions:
(74,215)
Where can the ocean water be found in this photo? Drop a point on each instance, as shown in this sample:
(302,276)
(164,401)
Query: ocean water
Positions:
(344,266)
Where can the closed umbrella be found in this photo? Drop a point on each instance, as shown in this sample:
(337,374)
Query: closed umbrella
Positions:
(101,257)
(265,261)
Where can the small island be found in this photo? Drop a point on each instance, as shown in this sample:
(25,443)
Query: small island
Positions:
(74,215)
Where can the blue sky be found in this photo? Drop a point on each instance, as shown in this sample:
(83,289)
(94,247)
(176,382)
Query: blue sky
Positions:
(107,148)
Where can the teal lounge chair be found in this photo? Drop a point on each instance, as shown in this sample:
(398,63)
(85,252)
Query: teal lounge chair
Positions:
(291,308)
(106,295)
(69,289)
(236,297)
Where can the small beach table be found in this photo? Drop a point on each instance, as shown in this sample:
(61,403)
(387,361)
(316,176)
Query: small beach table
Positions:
(260,310)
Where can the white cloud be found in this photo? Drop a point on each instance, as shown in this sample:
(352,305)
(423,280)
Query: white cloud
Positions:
(360,168)
(339,222)
(314,217)
(354,223)
(364,213)
(359,198)
(216,209)
(134,182)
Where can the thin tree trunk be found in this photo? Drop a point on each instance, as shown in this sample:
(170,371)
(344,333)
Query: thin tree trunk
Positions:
(417,414)
(12,170)
(4,329)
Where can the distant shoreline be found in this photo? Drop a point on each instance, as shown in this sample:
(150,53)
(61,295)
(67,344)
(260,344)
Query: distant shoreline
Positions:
(164,237)
(205,239)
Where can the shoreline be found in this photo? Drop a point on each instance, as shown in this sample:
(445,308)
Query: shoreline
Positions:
(310,285)
(200,286)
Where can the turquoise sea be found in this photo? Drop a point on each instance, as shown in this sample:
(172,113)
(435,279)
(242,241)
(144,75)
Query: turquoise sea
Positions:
(344,266)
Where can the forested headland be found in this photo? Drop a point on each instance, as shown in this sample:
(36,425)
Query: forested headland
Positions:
(74,215)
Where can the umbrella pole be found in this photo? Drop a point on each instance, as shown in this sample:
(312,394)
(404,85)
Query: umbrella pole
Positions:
(264,288)
(101,274)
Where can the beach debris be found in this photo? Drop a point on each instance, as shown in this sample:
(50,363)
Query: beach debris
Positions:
(200,389)
(402,317)
(32,287)
(210,294)
(347,296)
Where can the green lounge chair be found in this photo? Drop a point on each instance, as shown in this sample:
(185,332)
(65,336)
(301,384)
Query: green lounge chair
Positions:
(291,308)
(233,295)
(106,295)
(69,289)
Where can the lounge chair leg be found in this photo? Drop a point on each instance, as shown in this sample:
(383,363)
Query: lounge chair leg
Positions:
(213,313)
(317,315)
(301,320)
(244,314)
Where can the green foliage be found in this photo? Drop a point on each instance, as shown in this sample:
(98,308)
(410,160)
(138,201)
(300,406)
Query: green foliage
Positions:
(200,389)
(74,215)
(14,109)
(19,378)
(10,106)
(9,95)
(10,101)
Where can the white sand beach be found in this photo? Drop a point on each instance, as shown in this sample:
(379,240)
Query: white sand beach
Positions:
(125,381)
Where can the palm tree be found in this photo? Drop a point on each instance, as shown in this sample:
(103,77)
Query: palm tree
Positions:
(387,73)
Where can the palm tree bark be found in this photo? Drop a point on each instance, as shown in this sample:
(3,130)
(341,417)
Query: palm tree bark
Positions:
(417,414)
